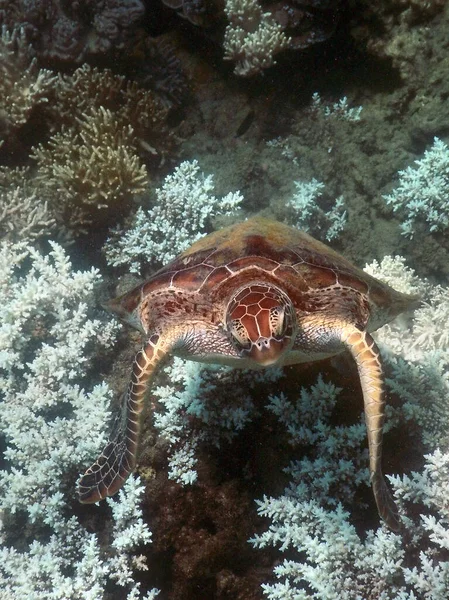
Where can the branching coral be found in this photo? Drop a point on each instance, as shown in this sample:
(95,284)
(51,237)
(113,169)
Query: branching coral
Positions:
(51,425)
(94,162)
(90,168)
(23,86)
(182,211)
(190,397)
(422,194)
(338,110)
(252,38)
(306,212)
(23,215)
(331,562)
(89,89)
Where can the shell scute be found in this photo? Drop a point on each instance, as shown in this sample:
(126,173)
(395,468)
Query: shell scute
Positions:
(191,278)
(160,280)
(261,262)
(256,250)
(217,276)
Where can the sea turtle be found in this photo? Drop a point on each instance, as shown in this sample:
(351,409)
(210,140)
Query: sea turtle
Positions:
(254,294)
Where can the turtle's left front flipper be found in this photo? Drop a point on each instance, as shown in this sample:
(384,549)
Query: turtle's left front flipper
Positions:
(118,459)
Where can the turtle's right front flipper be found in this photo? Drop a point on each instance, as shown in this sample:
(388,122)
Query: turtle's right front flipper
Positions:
(118,459)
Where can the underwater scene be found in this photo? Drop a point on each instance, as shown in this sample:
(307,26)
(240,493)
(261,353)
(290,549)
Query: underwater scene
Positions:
(224,300)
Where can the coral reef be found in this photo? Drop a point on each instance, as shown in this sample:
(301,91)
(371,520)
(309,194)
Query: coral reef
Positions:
(338,110)
(219,440)
(51,424)
(252,38)
(191,413)
(90,168)
(422,193)
(154,65)
(307,213)
(23,86)
(70,32)
(89,88)
(104,128)
(255,31)
(180,215)
(23,214)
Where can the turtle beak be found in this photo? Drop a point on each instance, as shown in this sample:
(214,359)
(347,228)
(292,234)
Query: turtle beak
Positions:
(267,351)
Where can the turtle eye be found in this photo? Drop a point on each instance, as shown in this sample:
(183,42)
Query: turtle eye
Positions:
(239,334)
(278,321)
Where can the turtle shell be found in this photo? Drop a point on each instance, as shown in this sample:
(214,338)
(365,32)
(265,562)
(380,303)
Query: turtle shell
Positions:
(258,249)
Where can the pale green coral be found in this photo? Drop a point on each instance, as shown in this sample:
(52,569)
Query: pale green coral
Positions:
(52,424)
(181,212)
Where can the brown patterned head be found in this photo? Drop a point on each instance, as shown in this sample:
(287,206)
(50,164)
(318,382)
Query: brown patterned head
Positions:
(262,322)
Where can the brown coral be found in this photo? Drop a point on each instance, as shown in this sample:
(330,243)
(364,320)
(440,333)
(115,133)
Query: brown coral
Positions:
(106,132)
(91,167)
(23,86)
(89,89)
(23,214)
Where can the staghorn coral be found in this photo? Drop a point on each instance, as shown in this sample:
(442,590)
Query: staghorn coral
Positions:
(51,422)
(182,211)
(306,213)
(191,398)
(90,168)
(23,214)
(338,110)
(252,37)
(23,87)
(422,193)
(92,165)
(91,88)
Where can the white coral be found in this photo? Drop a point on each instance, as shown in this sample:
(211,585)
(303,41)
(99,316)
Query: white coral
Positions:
(422,193)
(252,37)
(53,427)
(23,215)
(182,211)
(308,214)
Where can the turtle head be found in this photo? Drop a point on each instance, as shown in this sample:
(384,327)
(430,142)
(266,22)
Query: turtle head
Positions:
(261,321)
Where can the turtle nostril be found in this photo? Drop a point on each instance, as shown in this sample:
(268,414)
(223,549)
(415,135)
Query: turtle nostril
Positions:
(263,343)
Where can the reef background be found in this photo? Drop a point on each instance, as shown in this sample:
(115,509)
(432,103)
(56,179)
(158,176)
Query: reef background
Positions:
(391,58)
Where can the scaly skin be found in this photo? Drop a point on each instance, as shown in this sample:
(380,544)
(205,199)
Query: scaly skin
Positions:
(118,459)
(367,357)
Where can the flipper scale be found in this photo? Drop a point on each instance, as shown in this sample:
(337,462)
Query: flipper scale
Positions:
(118,459)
